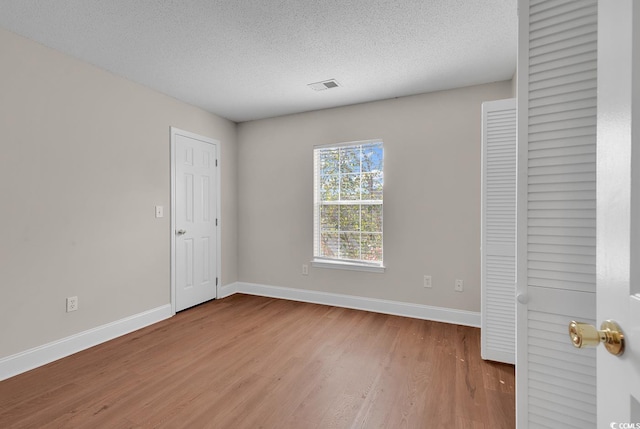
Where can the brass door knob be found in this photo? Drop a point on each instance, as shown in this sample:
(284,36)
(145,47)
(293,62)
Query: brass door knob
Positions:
(585,335)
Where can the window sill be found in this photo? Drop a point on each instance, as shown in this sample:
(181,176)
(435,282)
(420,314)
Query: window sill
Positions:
(347,266)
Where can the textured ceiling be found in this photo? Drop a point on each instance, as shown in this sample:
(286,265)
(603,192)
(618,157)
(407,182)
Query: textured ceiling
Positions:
(251,59)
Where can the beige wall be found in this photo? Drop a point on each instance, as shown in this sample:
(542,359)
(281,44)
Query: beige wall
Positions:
(431,196)
(85,158)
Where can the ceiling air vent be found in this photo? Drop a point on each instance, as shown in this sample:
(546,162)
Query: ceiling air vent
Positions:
(325,84)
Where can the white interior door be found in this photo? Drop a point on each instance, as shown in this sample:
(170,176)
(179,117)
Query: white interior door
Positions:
(194,219)
(498,238)
(556,241)
(618,266)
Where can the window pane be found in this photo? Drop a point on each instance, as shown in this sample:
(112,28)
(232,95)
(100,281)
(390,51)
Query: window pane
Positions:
(371,218)
(350,245)
(350,187)
(329,244)
(372,157)
(329,161)
(372,247)
(350,160)
(350,218)
(372,186)
(330,188)
(330,218)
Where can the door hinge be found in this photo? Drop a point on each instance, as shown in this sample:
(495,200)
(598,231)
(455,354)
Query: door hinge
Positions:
(216,221)
(216,162)
(216,281)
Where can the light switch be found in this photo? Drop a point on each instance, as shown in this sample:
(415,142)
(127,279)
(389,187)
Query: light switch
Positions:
(159,211)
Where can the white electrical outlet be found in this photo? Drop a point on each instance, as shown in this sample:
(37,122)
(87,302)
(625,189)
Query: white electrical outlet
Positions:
(427,281)
(459,285)
(72,303)
(305,270)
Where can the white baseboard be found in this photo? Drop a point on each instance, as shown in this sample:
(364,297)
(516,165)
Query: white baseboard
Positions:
(227,290)
(397,308)
(47,353)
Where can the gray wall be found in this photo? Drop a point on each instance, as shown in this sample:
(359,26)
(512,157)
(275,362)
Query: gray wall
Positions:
(85,158)
(431,196)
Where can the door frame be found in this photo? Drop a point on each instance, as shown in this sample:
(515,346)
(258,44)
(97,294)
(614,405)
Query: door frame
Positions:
(178,132)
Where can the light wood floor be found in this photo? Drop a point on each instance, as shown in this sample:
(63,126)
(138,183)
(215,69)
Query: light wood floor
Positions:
(253,362)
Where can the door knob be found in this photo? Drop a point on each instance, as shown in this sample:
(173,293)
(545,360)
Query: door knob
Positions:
(181,231)
(585,335)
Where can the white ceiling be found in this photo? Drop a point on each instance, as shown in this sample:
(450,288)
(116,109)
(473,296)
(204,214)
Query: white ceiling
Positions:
(251,59)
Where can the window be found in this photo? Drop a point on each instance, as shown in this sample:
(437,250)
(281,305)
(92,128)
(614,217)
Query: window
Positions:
(348,181)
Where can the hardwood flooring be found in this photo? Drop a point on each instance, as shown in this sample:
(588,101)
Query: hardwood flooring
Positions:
(254,362)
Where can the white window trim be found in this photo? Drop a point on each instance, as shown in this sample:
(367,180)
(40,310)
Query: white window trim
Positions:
(347,265)
(354,143)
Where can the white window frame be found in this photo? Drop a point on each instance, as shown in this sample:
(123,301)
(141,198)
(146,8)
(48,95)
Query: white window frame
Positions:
(342,264)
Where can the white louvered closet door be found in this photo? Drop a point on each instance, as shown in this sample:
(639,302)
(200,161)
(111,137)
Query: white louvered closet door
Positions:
(499,230)
(557,53)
